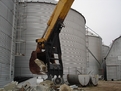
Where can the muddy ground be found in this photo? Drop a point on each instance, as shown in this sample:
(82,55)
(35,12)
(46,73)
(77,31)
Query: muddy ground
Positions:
(104,86)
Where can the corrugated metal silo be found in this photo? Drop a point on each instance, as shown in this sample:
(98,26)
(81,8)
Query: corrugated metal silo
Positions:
(7,43)
(105,50)
(94,53)
(72,37)
(113,61)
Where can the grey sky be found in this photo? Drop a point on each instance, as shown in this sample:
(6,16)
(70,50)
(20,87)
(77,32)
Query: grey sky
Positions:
(103,16)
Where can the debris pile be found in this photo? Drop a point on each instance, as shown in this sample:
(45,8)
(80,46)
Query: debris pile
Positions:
(46,85)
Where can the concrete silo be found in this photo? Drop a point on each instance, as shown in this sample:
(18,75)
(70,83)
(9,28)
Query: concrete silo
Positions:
(113,60)
(7,41)
(94,53)
(72,37)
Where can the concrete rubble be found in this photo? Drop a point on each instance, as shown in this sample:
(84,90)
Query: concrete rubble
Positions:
(46,85)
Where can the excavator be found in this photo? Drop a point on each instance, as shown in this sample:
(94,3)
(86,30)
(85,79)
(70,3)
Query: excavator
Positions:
(48,49)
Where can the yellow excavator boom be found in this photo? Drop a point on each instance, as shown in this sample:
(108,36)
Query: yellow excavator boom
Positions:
(59,13)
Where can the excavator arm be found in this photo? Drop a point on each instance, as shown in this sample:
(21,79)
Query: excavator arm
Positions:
(58,15)
(50,43)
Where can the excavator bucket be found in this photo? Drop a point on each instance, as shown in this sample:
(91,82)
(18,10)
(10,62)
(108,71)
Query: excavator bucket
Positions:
(34,68)
(37,63)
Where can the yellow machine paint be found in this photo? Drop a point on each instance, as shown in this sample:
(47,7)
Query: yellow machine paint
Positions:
(59,13)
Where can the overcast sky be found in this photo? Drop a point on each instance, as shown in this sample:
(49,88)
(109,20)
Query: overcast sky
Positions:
(102,16)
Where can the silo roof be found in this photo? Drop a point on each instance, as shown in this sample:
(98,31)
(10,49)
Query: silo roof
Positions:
(112,45)
(50,2)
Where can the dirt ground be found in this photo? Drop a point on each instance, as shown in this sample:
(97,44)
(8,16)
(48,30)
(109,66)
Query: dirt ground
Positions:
(104,86)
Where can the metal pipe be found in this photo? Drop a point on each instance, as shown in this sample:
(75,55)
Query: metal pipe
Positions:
(73,79)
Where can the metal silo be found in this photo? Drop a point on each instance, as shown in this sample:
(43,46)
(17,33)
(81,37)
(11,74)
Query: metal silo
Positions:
(105,50)
(72,37)
(7,42)
(94,53)
(113,61)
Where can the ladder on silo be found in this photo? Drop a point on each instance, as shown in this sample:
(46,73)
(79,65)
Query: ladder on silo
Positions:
(87,45)
(21,27)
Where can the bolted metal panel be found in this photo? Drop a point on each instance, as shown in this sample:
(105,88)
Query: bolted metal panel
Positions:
(6,51)
(8,3)
(94,54)
(4,78)
(112,72)
(113,60)
(72,37)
